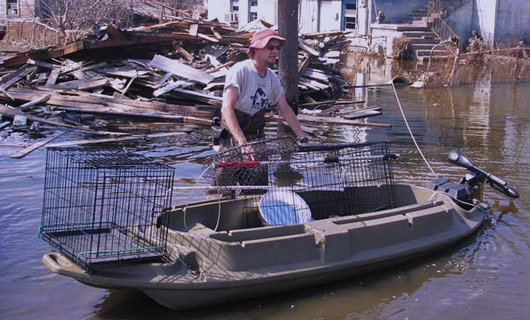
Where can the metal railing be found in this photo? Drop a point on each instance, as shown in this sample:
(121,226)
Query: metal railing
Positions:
(438,25)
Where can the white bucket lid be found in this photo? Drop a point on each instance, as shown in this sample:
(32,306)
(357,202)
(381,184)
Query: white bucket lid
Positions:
(283,207)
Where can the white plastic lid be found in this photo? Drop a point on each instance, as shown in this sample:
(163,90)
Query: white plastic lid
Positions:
(283,207)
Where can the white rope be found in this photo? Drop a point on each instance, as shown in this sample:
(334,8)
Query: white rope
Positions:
(410,131)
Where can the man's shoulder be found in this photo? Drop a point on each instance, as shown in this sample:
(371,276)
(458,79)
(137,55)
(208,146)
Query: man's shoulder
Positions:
(245,64)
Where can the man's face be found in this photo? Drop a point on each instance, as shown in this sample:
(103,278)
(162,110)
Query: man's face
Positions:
(269,53)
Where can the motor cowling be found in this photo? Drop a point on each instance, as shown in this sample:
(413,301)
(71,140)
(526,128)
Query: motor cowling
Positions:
(463,193)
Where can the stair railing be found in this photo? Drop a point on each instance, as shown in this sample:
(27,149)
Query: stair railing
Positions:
(438,25)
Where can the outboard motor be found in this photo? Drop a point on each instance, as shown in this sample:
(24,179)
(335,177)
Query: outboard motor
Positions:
(470,187)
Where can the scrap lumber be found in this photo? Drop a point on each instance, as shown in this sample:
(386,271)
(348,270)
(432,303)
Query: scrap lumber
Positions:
(81,79)
(180,69)
(4,124)
(25,151)
(361,114)
(11,113)
(309,118)
(14,77)
(106,140)
(28,105)
(217,101)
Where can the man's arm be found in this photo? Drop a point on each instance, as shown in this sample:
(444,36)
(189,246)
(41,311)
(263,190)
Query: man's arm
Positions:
(229,115)
(288,115)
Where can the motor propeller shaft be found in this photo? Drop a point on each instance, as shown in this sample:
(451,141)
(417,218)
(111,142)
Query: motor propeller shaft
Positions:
(459,158)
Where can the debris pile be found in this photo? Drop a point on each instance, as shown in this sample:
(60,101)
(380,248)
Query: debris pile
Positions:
(149,79)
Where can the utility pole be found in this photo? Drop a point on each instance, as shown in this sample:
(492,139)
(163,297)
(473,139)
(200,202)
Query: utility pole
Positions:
(288,64)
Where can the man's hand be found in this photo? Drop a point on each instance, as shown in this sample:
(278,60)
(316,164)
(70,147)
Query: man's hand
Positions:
(248,153)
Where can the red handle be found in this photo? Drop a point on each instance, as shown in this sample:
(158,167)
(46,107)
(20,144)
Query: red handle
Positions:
(238,164)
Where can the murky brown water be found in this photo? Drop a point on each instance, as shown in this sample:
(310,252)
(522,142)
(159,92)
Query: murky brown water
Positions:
(486,276)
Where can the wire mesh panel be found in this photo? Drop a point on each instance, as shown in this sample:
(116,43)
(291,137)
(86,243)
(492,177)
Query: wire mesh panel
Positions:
(102,205)
(298,183)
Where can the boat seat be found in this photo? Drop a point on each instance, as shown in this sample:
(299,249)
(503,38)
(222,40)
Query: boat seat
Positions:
(387,213)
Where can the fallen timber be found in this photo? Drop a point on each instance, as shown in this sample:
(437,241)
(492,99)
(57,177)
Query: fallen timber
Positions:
(120,74)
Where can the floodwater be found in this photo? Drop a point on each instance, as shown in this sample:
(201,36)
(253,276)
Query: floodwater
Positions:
(485,276)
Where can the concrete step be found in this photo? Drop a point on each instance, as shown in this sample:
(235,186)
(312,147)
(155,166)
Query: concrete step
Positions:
(419,34)
(413,27)
(423,46)
(423,40)
(426,53)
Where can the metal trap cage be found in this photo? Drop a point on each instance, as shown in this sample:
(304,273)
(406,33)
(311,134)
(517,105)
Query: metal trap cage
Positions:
(295,184)
(101,205)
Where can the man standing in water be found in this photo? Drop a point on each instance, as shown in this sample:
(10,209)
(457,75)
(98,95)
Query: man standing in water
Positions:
(250,88)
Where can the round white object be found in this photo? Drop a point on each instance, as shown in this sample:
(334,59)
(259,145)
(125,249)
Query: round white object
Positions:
(283,207)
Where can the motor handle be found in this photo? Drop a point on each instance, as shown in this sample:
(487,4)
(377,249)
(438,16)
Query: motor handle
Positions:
(509,191)
(459,158)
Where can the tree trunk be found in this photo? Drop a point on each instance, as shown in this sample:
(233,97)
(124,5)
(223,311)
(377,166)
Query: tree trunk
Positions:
(288,64)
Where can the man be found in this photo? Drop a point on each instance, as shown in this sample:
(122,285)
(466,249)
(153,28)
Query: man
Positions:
(250,88)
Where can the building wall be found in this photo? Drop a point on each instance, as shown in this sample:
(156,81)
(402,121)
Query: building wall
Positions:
(513,21)
(461,20)
(218,9)
(26,9)
(484,16)
(308,16)
(268,10)
(396,11)
(330,15)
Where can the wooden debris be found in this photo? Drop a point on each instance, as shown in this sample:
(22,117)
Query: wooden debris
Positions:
(28,105)
(25,151)
(180,69)
(95,86)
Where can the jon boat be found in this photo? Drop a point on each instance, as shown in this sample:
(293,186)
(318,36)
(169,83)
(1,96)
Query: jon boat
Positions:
(211,258)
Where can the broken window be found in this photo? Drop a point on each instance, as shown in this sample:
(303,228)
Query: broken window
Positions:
(12,8)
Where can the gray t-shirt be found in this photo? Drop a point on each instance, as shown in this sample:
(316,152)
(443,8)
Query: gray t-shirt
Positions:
(255,92)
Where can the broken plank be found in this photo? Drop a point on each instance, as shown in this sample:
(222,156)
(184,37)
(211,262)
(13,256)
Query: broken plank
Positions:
(206,37)
(169,87)
(14,77)
(4,124)
(361,114)
(302,45)
(228,64)
(25,151)
(11,113)
(318,119)
(332,102)
(194,29)
(42,64)
(53,77)
(180,69)
(105,140)
(28,105)
(84,84)
(183,52)
(200,96)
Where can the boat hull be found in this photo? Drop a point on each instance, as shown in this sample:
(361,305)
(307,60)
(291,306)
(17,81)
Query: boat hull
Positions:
(216,267)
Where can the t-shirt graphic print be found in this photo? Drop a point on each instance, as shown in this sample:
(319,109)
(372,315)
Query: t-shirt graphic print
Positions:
(260,101)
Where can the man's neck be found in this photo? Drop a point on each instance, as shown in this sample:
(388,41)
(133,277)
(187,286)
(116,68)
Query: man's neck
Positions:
(261,66)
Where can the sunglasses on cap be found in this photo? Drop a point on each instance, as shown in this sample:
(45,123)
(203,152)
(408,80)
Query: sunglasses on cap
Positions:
(272,47)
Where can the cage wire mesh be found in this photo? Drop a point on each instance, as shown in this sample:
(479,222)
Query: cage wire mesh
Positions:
(292,184)
(101,205)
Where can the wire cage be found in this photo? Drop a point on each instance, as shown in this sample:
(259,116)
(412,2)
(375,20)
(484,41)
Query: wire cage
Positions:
(295,184)
(101,205)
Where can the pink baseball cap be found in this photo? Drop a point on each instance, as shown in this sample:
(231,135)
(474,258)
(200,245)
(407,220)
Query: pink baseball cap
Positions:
(262,37)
